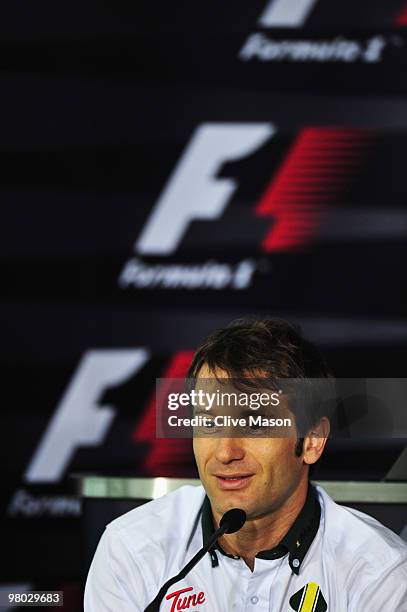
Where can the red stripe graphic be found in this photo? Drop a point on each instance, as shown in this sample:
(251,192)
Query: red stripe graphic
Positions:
(401,19)
(166,457)
(314,173)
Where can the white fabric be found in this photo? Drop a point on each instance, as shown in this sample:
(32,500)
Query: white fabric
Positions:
(358,564)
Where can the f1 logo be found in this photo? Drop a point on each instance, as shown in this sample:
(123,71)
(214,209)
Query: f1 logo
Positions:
(78,419)
(193,191)
(286,13)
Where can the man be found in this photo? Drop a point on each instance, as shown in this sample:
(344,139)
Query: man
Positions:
(298,550)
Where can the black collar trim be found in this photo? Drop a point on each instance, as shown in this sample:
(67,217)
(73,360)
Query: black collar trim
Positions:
(296,542)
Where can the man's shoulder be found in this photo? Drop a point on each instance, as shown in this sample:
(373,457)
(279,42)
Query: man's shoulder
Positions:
(161,520)
(353,535)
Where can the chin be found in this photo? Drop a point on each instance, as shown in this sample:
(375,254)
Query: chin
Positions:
(227,504)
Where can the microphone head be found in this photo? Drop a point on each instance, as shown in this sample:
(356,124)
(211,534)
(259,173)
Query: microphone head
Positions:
(234,519)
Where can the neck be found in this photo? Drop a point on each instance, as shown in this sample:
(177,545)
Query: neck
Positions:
(266,532)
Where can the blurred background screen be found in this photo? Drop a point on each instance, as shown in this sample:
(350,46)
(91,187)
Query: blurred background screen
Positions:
(167,167)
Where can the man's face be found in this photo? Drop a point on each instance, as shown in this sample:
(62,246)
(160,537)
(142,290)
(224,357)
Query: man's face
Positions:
(267,468)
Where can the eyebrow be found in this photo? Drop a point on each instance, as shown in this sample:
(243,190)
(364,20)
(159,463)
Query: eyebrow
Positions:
(257,412)
(202,411)
(241,414)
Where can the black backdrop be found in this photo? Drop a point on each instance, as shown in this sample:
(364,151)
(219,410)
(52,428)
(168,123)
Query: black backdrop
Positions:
(167,167)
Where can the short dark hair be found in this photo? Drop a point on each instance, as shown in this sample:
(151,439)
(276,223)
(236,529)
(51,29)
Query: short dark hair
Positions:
(250,345)
(264,347)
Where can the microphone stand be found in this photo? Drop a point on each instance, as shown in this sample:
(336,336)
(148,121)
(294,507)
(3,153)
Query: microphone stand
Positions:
(154,606)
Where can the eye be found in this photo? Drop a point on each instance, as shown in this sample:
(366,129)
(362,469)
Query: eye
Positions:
(207,427)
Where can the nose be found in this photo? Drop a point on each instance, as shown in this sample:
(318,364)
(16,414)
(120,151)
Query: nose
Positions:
(229,449)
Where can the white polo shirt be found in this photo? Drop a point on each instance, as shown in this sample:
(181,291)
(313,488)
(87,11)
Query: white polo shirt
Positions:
(333,558)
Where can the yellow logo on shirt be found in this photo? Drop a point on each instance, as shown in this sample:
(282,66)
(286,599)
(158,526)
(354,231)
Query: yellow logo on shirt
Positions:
(308,599)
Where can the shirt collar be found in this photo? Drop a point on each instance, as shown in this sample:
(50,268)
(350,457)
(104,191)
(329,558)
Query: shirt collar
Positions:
(295,543)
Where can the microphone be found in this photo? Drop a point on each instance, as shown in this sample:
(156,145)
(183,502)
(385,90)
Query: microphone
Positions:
(231,521)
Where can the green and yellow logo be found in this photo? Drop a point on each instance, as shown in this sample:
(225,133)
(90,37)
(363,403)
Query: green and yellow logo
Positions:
(309,599)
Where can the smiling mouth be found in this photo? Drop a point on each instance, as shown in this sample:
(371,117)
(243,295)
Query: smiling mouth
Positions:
(233,482)
(237,477)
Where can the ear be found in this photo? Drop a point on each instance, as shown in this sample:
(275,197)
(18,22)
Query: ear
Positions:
(315,441)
